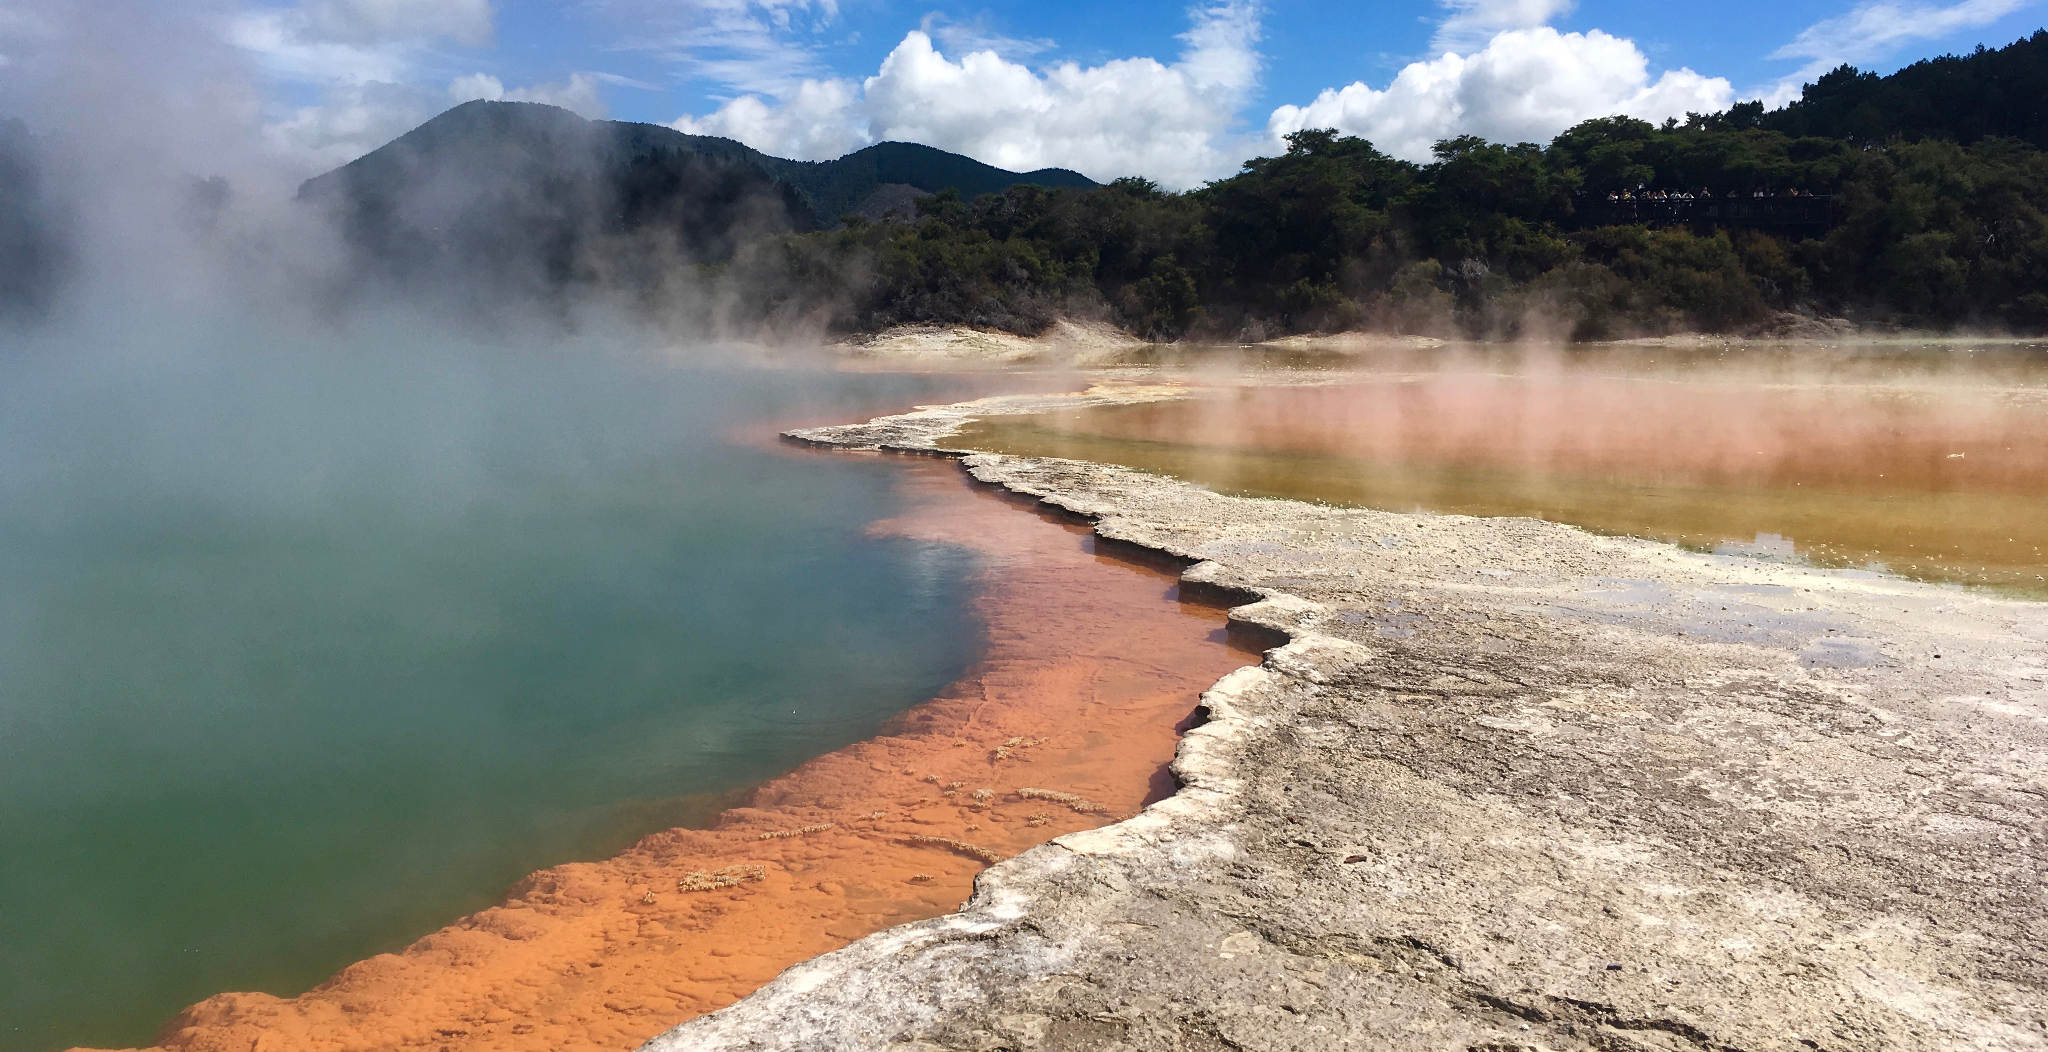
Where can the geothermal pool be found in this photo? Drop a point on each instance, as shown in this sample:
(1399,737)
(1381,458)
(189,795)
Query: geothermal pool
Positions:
(306,652)
(1931,463)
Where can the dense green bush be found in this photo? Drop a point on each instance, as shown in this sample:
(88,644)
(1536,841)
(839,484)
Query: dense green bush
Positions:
(1496,241)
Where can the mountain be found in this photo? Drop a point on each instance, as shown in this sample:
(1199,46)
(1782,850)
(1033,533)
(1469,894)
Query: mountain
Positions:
(835,188)
(528,197)
(523,198)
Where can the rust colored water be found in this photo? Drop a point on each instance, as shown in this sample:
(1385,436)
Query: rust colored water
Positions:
(1093,667)
(1938,474)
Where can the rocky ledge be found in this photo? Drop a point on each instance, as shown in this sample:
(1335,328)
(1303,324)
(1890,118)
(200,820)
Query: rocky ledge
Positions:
(1506,785)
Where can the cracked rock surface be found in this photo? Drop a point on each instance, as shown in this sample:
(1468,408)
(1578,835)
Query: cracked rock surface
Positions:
(1507,785)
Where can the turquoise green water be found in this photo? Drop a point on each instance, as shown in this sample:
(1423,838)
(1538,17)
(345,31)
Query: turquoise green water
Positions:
(304,654)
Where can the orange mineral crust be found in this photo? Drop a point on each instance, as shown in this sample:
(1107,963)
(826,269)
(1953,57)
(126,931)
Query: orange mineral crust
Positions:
(1092,670)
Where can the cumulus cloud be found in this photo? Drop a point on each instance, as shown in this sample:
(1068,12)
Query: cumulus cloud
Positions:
(284,43)
(1525,86)
(1168,121)
(579,92)
(817,120)
(1874,30)
(1470,24)
(349,121)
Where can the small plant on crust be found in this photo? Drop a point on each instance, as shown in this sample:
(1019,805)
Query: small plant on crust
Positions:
(716,880)
(1080,805)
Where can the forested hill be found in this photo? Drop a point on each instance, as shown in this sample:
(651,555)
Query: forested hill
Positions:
(1917,200)
(2000,93)
(827,189)
(837,188)
(522,199)
(535,195)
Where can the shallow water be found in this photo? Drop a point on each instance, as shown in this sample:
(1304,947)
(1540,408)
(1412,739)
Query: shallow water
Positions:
(1928,463)
(1094,664)
(305,653)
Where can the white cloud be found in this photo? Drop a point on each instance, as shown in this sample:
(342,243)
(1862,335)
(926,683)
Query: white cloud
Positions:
(1872,31)
(350,120)
(578,93)
(765,47)
(1472,23)
(356,41)
(475,86)
(284,46)
(977,34)
(1222,57)
(373,63)
(369,21)
(1525,86)
(819,119)
(1122,117)
(353,119)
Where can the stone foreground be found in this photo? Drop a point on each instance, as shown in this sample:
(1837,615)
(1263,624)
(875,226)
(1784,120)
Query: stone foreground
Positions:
(1507,785)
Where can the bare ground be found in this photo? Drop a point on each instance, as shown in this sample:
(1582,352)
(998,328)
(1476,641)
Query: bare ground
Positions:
(1506,785)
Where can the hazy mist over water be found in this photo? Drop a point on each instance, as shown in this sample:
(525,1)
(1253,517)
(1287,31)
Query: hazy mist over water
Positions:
(328,609)
(1924,461)
(306,650)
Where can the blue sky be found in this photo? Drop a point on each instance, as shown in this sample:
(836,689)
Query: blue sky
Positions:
(1308,46)
(1176,91)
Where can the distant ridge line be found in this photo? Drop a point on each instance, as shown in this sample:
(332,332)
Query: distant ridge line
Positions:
(828,189)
